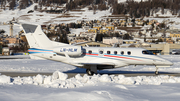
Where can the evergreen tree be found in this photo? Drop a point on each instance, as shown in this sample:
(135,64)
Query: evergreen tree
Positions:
(12,4)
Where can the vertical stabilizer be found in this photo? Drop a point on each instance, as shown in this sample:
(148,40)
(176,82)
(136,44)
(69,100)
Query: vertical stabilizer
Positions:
(36,37)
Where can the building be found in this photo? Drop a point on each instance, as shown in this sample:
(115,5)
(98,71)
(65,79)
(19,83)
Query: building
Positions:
(1,41)
(129,41)
(112,40)
(78,41)
(0,49)
(94,30)
(104,30)
(167,40)
(23,38)
(12,40)
(71,37)
(157,49)
(90,35)
(97,27)
(93,44)
(110,27)
(5,51)
(86,27)
(175,35)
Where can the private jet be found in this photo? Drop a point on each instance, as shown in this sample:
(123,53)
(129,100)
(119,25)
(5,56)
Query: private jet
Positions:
(90,58)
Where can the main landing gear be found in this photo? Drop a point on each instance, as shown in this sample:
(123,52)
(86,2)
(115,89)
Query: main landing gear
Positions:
(156,72)
(89,72)
(92,70)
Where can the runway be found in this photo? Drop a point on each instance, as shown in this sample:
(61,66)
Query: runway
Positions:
(15,57)
(70,75)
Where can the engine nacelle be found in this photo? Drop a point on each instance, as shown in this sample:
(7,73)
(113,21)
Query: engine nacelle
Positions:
(70,50)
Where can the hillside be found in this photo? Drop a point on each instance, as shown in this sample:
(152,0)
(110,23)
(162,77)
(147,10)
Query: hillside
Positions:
(50,12)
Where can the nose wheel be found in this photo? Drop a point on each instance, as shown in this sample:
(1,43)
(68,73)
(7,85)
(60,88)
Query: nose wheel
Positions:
(156,72)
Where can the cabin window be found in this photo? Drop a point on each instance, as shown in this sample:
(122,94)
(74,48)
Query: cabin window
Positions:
(147,52)
(122,52)
(129,53)
(108,52)
(100,52)
(90,52)
(115,52)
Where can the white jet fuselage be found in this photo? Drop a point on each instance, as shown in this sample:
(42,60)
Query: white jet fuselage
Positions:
(115,57)
(91,58)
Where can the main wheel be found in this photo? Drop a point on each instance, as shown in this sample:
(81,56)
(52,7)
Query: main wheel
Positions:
(89,72)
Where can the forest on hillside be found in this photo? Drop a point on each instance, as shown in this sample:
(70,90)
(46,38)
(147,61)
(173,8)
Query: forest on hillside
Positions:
(141,9)
(134,9)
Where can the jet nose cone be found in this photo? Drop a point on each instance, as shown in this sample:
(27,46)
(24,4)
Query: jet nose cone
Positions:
(169,63)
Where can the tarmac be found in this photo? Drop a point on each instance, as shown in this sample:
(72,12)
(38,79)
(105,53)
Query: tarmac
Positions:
(15,57)
(70,75)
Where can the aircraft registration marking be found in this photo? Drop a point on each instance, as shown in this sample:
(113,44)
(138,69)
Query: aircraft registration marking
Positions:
(68,49)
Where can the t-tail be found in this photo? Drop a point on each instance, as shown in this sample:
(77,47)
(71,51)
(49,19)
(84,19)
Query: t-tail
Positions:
(40,43)
(36,37)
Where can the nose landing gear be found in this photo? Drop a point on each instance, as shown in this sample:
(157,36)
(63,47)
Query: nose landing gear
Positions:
(156,72)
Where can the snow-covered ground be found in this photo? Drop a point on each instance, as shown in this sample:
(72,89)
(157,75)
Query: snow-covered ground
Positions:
(102,92)
(45,18)
(89,88)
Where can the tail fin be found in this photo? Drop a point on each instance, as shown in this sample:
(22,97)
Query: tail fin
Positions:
(36,37)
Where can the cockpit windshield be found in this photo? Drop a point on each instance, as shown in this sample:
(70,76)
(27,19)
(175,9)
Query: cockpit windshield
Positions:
(147,52)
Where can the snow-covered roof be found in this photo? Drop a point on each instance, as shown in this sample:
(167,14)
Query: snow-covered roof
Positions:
(76,31)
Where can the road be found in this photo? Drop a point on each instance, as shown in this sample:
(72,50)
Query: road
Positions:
(70,75)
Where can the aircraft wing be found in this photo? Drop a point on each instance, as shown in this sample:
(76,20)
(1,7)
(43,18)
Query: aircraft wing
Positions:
(115,64)
(110,64)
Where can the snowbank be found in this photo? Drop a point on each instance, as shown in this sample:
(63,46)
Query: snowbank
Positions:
(59,80)
(4,79)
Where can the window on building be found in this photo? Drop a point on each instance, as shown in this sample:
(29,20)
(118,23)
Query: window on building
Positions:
(122,52)
(129,53)
(90,52)
(115,52)
(147,52)
(108,52)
